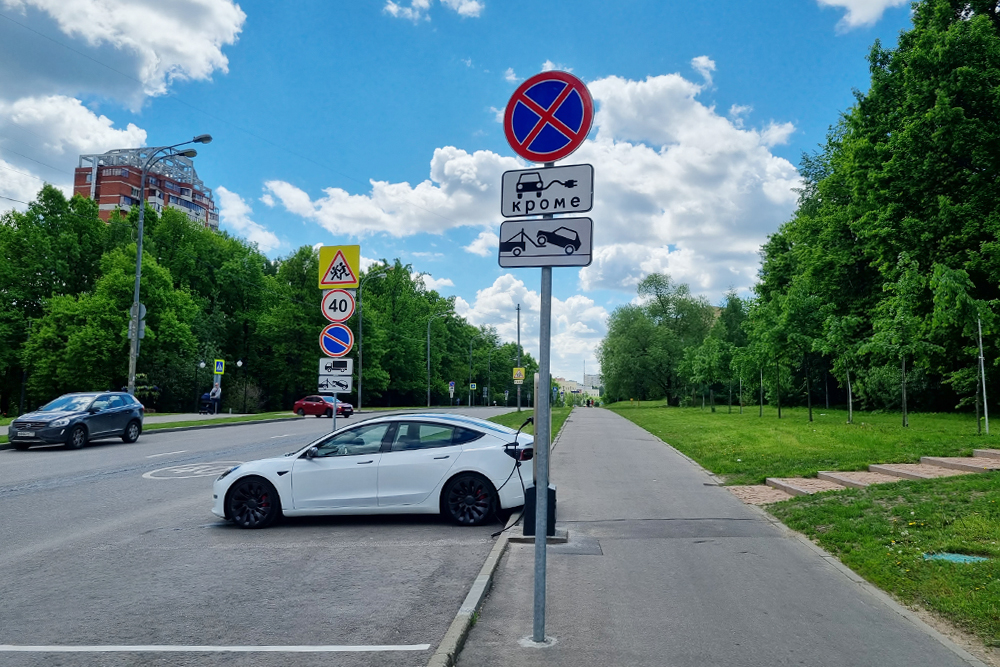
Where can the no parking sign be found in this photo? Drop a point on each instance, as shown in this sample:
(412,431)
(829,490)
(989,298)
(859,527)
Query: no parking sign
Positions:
(548,116)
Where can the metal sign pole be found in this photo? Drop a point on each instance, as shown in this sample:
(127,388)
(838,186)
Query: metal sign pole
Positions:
(518,354)
(541,448)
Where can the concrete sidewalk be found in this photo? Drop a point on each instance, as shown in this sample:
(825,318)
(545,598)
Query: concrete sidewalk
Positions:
(665,568)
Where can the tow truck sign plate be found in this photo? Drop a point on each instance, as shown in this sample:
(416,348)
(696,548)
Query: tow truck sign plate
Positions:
(553,242)
(568,189)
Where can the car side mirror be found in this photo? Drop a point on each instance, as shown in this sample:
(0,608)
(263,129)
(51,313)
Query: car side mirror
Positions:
(312,452)
(94,411)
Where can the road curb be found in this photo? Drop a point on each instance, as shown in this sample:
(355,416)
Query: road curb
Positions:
(8,445)
(454,639)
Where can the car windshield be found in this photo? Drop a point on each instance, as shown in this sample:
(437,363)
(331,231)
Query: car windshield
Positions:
(329,399)
(67,404)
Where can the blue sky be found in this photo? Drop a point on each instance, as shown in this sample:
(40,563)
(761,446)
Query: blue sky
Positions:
(376,123)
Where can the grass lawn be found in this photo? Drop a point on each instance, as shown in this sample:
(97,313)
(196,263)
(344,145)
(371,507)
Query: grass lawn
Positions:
(220,420)
(882,532)
(515,419)
(746,448)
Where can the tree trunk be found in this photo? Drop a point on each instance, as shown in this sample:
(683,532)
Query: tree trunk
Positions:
(979,424)
(809,401)
(777,385)
(850,400)
(741,394)
(703,398)
(711,397)
(826,388)
(905,422)
(730,397)
(761,392)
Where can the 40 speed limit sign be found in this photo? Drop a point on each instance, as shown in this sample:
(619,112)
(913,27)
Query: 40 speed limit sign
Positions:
(338,305)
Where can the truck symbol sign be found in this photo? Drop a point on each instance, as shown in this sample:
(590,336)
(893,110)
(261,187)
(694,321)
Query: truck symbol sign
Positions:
(554,242)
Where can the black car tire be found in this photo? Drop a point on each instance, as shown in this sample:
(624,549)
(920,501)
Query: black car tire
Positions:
(569,249)
(469,499)
(516,252)
(21,446)
(541,240)
(253,502)
(328,413)
(77,437)
(132,431)
(300,412)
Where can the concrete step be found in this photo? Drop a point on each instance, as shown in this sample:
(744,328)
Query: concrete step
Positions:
(988,453)
(758,494)
(857,479)
(915,470)
(967,463)
(802,486)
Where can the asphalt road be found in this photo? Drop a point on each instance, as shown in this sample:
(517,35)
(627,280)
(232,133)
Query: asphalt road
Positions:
(115,545)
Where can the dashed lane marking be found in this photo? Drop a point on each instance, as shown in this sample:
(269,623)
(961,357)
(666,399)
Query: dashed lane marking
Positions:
(166,454)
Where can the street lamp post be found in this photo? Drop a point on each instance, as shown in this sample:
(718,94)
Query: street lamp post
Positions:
(470,366)
(152,160)
(361,330)
(429,319)
(239,364)
(197,392)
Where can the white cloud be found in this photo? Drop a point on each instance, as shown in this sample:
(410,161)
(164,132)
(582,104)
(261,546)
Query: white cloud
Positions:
(467,62)
(61,125)
(678,187)
(17,184)
(465,7)
(432,283)
(510,76)
(548,66)
(235,214)
(861,12)
(704,66)
(578,324)
(418,10)
(484,245)
(186,42)
(498,113)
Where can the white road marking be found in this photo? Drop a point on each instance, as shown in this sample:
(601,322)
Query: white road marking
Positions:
(190,470)
(163,648)
(280,436)
(166,454)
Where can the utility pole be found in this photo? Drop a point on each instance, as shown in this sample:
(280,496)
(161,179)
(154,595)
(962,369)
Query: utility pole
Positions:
(518,354)
(982,371)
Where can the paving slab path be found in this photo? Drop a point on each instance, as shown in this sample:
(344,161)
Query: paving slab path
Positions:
(664,567)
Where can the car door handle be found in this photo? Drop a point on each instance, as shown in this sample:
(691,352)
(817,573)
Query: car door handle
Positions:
(361,463)
(438,458)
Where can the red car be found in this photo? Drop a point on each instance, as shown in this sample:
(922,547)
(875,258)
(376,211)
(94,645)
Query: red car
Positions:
(321,406)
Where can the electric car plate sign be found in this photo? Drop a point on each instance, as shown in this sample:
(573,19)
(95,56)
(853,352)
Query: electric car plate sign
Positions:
(553,242)
(568,189)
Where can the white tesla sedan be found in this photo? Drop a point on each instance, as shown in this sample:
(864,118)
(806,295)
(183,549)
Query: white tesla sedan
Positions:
(462,467)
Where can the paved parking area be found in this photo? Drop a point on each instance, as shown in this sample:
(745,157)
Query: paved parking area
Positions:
(115,546)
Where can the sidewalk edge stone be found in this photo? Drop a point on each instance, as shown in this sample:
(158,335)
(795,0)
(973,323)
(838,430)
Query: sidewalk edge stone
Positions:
(454,639)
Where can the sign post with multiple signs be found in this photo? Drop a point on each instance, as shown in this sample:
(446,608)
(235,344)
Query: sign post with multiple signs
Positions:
(547,118)
(339,271)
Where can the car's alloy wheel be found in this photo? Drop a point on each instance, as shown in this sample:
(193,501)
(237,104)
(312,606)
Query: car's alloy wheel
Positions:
(132,431)
(77,438)
(469,500)
(541,240)
(300,412)
(569,249)
(252,503)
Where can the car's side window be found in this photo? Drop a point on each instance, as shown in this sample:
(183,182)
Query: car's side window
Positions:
(360,440)
(101,403)
(421,435)
(116,402)
(464,435)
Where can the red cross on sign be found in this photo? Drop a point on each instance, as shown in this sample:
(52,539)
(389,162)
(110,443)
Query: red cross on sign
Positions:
(548,116)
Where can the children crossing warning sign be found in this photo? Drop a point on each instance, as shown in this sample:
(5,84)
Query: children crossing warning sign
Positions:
(339,266)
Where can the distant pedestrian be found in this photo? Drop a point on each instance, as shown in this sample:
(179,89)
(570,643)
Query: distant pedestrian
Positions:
(216,397)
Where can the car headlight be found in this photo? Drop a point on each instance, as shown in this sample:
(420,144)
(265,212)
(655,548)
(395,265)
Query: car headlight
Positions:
(60,422)
(223,475)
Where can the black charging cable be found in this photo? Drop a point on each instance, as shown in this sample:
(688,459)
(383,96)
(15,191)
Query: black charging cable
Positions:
(517,467)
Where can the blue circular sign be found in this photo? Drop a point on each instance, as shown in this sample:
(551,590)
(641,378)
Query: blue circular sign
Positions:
(548,116)
(336,340)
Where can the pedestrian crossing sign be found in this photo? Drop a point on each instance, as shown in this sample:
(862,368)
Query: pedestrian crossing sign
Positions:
(472,385)
(518,373)
(220,366)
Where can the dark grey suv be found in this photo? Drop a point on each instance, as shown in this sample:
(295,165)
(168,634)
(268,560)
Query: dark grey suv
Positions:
(75,419)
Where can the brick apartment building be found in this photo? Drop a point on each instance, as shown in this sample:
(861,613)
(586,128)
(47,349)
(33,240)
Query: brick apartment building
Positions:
(112,180)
